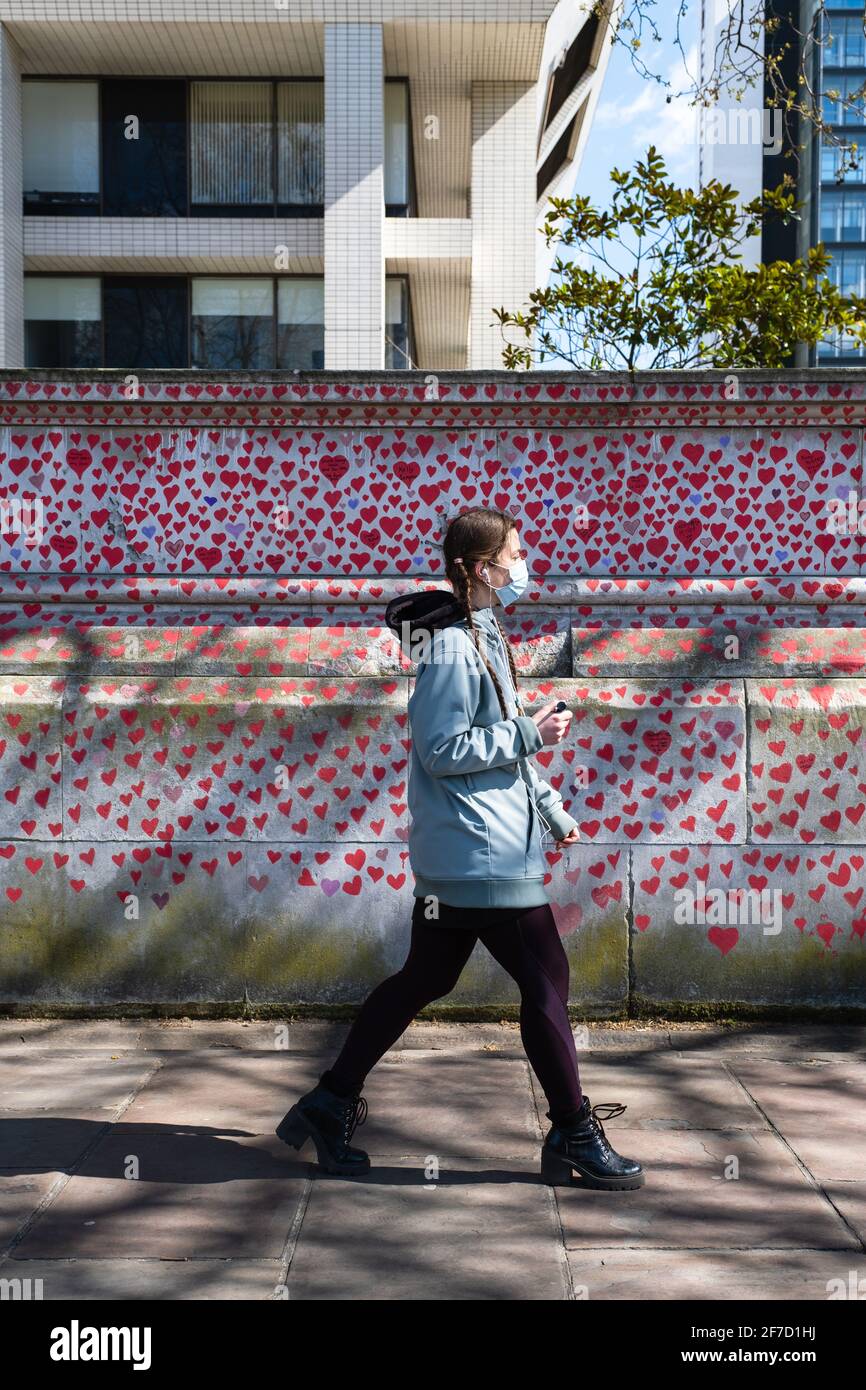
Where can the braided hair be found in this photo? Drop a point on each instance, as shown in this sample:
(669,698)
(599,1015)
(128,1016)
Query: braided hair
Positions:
(478,535)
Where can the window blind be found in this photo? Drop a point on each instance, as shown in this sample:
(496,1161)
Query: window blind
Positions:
(61,137)
(51,300)
(232,298)
(301,142)
(301,301)
(231,142)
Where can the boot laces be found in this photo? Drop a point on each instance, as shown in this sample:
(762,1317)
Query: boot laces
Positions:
(354,1114)
(612,1109)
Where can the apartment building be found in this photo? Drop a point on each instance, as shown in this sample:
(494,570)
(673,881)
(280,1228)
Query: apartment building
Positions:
(282,184)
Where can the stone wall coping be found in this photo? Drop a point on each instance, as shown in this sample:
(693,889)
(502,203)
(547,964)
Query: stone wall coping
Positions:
(324,592)
(436,399)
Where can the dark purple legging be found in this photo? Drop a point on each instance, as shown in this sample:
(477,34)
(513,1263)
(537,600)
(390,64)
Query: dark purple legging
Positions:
(525,941)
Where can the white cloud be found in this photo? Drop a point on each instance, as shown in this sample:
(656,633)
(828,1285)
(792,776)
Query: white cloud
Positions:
(616,113)
(643,116)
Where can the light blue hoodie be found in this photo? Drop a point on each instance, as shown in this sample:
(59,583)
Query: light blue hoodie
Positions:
(474,838)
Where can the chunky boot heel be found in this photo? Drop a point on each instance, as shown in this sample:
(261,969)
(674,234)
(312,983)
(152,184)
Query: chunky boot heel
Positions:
(330,1121)
(293,1129)
(554,1170)
(579,1155)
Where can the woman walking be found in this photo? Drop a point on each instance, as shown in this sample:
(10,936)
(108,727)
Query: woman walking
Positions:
(478,811)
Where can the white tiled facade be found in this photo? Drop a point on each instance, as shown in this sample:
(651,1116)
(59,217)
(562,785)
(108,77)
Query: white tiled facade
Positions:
(12,221)
(479,73)
(354,196)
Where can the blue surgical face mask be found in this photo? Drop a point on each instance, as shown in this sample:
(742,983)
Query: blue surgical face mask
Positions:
(518,578)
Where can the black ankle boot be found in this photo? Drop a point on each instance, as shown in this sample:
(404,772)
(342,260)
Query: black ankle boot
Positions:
(330,1121)
(581,1149)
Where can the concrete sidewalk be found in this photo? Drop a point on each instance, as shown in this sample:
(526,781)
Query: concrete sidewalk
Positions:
(753,1139)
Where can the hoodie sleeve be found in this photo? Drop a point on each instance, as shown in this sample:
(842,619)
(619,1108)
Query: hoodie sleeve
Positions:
(551,805)
(443,706)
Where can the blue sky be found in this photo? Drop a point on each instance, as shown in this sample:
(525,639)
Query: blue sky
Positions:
(632,114)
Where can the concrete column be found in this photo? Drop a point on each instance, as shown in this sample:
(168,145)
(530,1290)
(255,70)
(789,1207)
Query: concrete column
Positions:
(354,197)
(11,218)
(502,212)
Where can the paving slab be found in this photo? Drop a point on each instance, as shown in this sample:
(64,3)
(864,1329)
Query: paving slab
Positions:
(850,1200)
(244,1092)
(481,1231)
(817,1091)
(167,1281)
(713,1275)
(423,1102)
(664,1091)
(829,1156)
(325,1035)
(20,1194)
(198,1194)
(476,1103)
(33,1142)
(789,1040)
(819,1106)
(689,1203)
(53,1104)
(69,1082)
(169,1034)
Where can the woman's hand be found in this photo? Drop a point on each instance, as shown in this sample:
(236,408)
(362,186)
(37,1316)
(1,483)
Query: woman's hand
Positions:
(552,726)
(571,838)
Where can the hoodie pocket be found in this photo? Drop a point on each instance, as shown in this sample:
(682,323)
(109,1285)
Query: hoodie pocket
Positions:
(499,797)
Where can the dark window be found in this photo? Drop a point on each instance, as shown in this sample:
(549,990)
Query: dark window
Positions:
(144,148)
(779,240)
(576,63)
(233,323)
(232,148)
(398,333)
(62,343)
(146,321)
(556,159)
(245,323)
